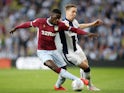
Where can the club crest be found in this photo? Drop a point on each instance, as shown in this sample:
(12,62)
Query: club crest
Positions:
(56,28)
(44,26)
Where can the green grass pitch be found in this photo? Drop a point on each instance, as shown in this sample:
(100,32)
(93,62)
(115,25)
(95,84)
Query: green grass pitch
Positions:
(109,80)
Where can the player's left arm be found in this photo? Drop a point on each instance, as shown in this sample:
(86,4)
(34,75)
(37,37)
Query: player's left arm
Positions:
(82,32)
(95,23)
(77,30)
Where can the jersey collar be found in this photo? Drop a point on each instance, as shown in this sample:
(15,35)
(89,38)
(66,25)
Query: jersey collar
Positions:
(70,22)
(49,22)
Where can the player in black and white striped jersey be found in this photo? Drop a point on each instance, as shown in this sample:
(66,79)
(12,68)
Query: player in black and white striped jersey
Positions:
(67,45)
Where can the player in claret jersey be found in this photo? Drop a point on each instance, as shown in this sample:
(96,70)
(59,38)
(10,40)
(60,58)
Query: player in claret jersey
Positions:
(46,50)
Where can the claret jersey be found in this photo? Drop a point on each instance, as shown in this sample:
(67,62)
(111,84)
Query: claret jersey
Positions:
(45,34)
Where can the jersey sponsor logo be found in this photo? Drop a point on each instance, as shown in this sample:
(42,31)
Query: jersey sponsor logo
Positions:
(46,33)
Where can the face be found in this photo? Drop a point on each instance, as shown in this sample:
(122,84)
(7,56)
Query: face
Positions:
(71,13)
(55,18)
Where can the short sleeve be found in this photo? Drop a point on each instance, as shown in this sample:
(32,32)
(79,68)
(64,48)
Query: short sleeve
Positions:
(63,27)
(36,22)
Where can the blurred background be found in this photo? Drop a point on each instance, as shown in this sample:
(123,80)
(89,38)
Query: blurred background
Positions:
(107,50)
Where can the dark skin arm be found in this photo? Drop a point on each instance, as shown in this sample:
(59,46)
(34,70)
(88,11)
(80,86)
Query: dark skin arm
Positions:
(79,31)
(12,31)
(23,25)
(92,35)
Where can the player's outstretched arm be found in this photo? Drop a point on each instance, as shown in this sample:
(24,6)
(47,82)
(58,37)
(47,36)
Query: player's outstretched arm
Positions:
(95,23)
(77,30)
(92,35)
(82,32)
(12,31)
(23,25)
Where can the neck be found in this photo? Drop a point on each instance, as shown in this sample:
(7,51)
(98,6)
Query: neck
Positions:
(49,19)
(69,19)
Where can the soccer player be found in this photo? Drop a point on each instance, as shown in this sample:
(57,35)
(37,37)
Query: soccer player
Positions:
(46,49)
(69,48)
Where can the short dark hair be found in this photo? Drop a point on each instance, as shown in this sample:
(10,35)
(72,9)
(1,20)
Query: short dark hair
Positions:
(56,11)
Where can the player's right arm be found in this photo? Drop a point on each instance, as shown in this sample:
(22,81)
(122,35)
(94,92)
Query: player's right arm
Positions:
(34,23)
(23,25)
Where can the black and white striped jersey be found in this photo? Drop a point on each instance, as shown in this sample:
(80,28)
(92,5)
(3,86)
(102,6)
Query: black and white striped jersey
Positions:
(66,40)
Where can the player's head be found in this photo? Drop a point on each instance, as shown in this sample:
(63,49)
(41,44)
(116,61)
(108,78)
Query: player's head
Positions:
(55,16)
(71,11)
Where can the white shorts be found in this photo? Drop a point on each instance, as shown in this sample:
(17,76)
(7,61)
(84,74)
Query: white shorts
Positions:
(75,57)
(46,55)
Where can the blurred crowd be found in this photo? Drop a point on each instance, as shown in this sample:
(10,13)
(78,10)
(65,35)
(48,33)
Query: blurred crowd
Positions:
(13,12)
(108,46)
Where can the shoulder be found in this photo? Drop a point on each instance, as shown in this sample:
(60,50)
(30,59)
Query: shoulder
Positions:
(75,21)
(61,23)
(65,21)
(39,20)
(62,26)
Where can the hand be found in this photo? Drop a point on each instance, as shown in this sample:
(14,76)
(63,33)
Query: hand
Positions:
(12,31)
(97,22)
(92,35)
(67,24)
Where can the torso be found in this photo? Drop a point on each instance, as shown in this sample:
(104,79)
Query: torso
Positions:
(67,39)
(46,34)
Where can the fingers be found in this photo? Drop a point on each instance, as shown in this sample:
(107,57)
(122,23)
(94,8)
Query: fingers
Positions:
(94,36)
(98,22)
(11,32)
